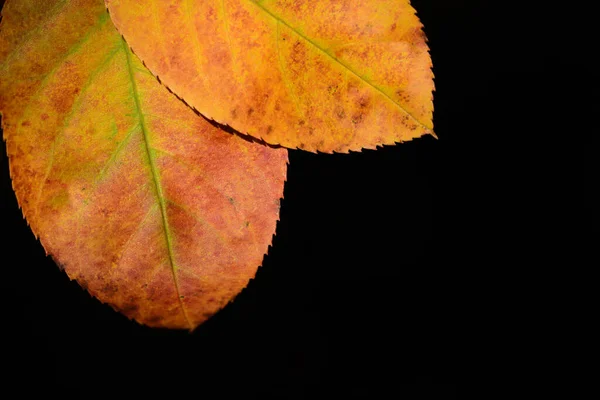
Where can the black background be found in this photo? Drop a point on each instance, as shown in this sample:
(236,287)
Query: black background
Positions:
(383,276)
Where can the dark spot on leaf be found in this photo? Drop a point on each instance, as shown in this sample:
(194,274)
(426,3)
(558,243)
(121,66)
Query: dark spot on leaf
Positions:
(26,123)
(339,112)
(301,122)
(109,289)
(44,116)
(182,297)
(357,118)
(363,102)
(211,300)
(155,319)
(234,113)
(129,308)
(269,129)
(250,111)
(230,199)
(393,28)
(247,224)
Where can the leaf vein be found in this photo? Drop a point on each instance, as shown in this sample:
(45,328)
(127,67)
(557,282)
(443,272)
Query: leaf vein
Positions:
(346,66)
(136,230)
(157,183)
(65,124)
(205,222)
(195,40)
(286,79)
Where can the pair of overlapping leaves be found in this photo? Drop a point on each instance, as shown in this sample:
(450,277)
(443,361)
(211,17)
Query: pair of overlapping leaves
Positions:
(150,206)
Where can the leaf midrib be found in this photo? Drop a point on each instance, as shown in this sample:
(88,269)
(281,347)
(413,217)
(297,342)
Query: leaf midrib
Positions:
(156,179)
(362,78)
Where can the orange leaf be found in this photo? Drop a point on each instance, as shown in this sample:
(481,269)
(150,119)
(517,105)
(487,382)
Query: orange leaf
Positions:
(326,75)
(144,203)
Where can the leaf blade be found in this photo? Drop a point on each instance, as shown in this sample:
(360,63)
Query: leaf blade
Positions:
(326,76)
(103,159)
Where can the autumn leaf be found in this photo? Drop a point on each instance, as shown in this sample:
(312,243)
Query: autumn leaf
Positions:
(144,203)
(320,75)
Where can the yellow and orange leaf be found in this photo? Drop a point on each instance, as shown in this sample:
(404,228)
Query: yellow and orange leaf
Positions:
(319,75)
(144,203)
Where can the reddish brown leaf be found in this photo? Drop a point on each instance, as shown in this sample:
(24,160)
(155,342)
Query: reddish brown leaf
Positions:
(144,203)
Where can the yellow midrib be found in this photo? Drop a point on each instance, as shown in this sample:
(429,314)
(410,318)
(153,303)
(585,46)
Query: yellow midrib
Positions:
(156,178)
